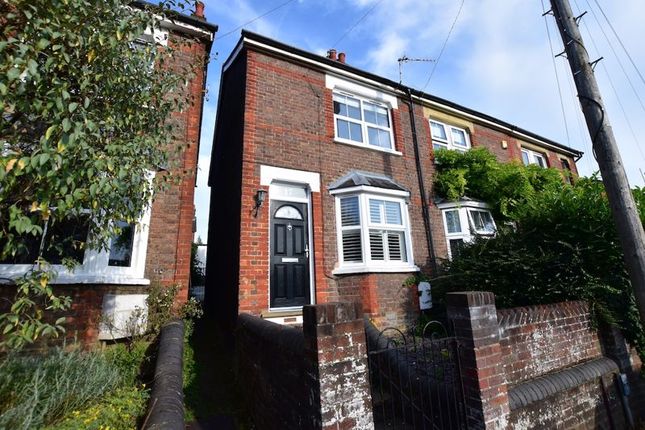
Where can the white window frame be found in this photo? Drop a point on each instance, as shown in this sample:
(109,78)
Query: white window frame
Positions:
(364,194)
(449,142)
(533,156)
(94,268)
(364,124)
(468,233)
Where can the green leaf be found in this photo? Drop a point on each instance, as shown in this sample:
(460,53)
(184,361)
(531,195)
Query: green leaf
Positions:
(13,73)
(72,107)
(49,132)
(67,125)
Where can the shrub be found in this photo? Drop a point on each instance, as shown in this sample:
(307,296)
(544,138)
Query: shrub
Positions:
(35,391)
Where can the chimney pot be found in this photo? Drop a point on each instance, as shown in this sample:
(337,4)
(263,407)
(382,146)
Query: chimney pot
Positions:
(341,57)
(331,54)
(199,9)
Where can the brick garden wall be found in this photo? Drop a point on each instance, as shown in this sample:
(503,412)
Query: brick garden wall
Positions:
(314,377)
(540,366)
(539,339)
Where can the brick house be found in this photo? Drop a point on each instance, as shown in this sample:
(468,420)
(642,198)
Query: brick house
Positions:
(321,184)
(157,249)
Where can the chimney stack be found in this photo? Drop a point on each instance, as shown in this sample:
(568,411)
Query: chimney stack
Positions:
(331,54)
(199,10)
(341,57)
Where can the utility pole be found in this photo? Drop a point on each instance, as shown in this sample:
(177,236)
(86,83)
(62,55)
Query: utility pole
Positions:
(623,207)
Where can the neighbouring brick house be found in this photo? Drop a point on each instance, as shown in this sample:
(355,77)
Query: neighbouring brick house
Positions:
(322,184)
(116,281)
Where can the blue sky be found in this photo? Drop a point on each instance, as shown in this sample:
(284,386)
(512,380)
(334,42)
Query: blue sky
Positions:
(497,61)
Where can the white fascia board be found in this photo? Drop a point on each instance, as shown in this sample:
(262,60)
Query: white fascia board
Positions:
(463,204)
(185,28)
(268,174)
(370,190)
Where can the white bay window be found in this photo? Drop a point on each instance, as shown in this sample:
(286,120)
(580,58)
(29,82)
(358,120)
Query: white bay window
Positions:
(373,230)
(464,221)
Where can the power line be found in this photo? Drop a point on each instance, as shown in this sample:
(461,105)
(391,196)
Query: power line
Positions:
(620,41)
(557,78)
(254,19)
(350,29)
(611,81)
(445,42)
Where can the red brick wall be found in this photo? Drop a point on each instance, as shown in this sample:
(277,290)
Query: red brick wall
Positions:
(539,339)
(171,222)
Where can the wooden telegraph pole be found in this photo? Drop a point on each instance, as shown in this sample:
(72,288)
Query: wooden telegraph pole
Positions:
(628,224)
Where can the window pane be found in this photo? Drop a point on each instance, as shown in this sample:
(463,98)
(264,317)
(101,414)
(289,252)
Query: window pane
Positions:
(459,138)
(436,146)
(453,224)
(396,246)
(288,212)
(376,245)
(393,213)
(375,114)
(353,108)
(66,239)
(340,108)
(121,246)
(355,132)
(455,247)
(482,221)
(375,211)
(28,244)
(352,249)
(342,128)
(349,214)
(525,158)
(539,160)
(438,131)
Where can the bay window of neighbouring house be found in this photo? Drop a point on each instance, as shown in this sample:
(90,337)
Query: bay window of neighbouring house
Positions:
(361,121)
(465,221)
(373,233)
(533,157)
(446,136)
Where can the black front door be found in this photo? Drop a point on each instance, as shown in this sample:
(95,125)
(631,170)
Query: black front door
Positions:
(289,254)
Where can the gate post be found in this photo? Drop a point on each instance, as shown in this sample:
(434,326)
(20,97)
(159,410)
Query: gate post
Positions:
(474,317)
(336,351)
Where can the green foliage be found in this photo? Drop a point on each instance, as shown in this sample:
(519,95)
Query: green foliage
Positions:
(564,247)
(162,309)
(197,269)
(505,186)
(35,391)
(85,119)
(117,411)
(129,360)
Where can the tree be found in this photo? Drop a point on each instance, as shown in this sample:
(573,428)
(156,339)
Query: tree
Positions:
(86,119)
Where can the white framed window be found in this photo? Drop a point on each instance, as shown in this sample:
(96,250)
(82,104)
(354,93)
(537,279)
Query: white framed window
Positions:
(532,157)
(373,231)
(463,221)
(446,136)
(122,262)
(362,121)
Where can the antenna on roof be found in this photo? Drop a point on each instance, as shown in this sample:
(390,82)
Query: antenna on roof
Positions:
(406,59)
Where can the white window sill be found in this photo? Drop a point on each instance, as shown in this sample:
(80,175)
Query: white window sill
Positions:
(384,268)
(364,146)
(66,279)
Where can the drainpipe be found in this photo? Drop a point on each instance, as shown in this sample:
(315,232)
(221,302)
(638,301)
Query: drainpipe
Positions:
(422,190)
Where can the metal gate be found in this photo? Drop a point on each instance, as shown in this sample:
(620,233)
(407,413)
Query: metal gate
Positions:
(415,380)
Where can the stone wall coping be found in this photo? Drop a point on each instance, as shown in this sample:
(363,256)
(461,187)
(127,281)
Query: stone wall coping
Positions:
(537,389)
(283,336)
(513,317)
